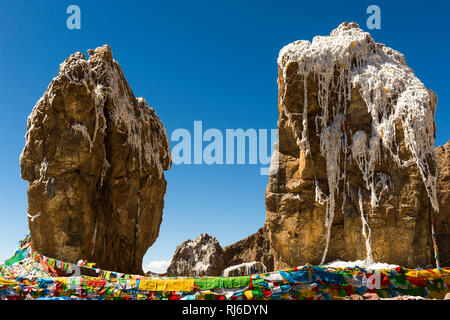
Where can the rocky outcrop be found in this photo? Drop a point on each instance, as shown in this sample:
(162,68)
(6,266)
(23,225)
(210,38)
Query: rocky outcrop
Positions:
(253,248)
(94,159)
(442,219)
(202,256)
(354,173)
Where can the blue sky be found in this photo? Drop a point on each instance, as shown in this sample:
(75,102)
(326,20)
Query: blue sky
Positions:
(213,61)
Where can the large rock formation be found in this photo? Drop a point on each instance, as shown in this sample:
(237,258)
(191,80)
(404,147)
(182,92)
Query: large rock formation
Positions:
(202,256)
(442,219)
(354,176)
(94,159)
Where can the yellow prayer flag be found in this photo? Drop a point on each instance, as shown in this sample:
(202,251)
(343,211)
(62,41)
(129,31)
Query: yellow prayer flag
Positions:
(166,285)
(5,282)
(248,294)
(147,285)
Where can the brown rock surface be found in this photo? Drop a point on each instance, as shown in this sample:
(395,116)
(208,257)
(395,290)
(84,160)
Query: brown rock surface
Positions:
(442,219)
(345,105)
(354,177)
(202,256)
(371,296)
(94,159)
(253,248)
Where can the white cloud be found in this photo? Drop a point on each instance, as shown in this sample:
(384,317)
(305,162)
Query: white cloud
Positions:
(157,266)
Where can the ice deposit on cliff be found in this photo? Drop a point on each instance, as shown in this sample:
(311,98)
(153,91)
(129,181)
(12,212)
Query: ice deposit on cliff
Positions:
(356,139)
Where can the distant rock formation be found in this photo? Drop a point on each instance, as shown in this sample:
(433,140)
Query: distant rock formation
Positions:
(354,177)
(442,220)
(202,256)
(94,159)
(253,248)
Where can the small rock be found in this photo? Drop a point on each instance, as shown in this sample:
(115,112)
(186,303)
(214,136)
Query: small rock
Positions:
(371,296)
(442,218)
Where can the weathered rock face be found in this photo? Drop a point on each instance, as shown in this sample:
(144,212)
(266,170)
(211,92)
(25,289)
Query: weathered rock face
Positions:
(253,248)
(356,176)
(202,256)
(94,159)
(442,219)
